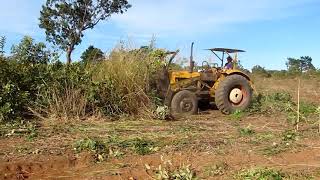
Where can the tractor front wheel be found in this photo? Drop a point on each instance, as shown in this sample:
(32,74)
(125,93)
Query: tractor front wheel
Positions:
(234,93)
(184,103)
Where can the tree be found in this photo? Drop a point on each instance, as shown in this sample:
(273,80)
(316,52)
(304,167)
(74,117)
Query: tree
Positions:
(65,21)
(294,65)
(306,64)
(261,71)
(27,51)
(303,64)
(2,43)
(92,54)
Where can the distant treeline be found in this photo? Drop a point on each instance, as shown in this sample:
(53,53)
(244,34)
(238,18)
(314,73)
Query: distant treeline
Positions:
(295,67)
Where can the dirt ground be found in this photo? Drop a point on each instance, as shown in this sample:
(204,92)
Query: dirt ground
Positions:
(212,145)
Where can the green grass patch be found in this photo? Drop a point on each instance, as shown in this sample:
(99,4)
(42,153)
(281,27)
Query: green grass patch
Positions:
(114,146)
(286,143)
(247,131)
(261,138)
(272,103)
(184,172)
(237,115)
(260,174)
(217,169)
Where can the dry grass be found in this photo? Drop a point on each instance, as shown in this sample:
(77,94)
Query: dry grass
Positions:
(130,75)
(309,87)
(70,102)
(122,84)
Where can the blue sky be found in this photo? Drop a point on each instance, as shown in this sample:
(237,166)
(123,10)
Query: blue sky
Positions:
(269,30)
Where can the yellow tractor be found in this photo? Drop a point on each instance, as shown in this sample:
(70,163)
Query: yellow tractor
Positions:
(227,86)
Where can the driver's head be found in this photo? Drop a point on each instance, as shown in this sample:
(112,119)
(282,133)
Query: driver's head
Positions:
(229,59)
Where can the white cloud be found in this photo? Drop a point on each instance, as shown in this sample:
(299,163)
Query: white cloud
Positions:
(189,17)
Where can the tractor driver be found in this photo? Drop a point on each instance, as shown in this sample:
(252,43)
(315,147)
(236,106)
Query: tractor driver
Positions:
(229,64)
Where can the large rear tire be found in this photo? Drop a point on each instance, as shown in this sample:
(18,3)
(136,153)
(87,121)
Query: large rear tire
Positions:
(184,103)
(234,93)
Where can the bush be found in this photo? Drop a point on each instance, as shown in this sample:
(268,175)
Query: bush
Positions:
(20,84)
(65,94)
(269,104)
(260,71)
(124,83)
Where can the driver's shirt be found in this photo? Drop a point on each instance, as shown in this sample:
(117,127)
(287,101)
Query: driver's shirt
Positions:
(228,66)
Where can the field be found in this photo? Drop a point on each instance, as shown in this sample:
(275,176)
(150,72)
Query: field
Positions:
(210,145)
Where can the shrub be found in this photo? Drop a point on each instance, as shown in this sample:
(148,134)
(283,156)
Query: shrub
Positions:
(124,83)
(92,55)
(269,104)
(32,84)
(260,71)
(65,93)
(22,75)
(20,85)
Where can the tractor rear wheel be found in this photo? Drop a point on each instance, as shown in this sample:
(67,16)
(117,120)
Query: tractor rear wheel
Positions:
(234,93)
(184,103)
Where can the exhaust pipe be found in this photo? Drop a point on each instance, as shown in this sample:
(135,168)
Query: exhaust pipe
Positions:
(191,59)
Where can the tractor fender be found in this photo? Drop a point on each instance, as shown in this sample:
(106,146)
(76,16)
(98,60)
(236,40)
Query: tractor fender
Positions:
(230,72)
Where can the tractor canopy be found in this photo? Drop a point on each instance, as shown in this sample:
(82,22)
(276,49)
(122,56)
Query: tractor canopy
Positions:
(225,52)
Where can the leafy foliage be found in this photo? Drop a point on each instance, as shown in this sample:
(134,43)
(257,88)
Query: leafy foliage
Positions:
(27,51)
(260,71)
(92,55)
(275,102)
(217,169)
(247,131)
(97,147)
(2,44)
(142,146)
(65,21)
(303,64)
(260,174)
(33,83)
(22,75)
(182,173)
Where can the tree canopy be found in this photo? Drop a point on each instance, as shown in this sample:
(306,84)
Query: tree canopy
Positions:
(92,54)
(2,43)
(28,51)
(65,21)
(302,64)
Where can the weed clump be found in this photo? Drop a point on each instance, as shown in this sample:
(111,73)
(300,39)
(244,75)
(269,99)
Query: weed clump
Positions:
(260,174)
(142,146)
(269,104)
(183,172)
(286,143)
(217,169)
(247,131)
(237,115)
(282,102)
(115,147)
(99,148)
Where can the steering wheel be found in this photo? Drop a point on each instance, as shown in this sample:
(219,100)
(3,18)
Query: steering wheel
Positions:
(205,65)
(215,65)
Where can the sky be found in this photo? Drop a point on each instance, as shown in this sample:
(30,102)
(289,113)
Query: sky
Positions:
(269,30)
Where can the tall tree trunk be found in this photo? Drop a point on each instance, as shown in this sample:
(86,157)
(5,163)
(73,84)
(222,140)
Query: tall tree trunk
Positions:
(69,52)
